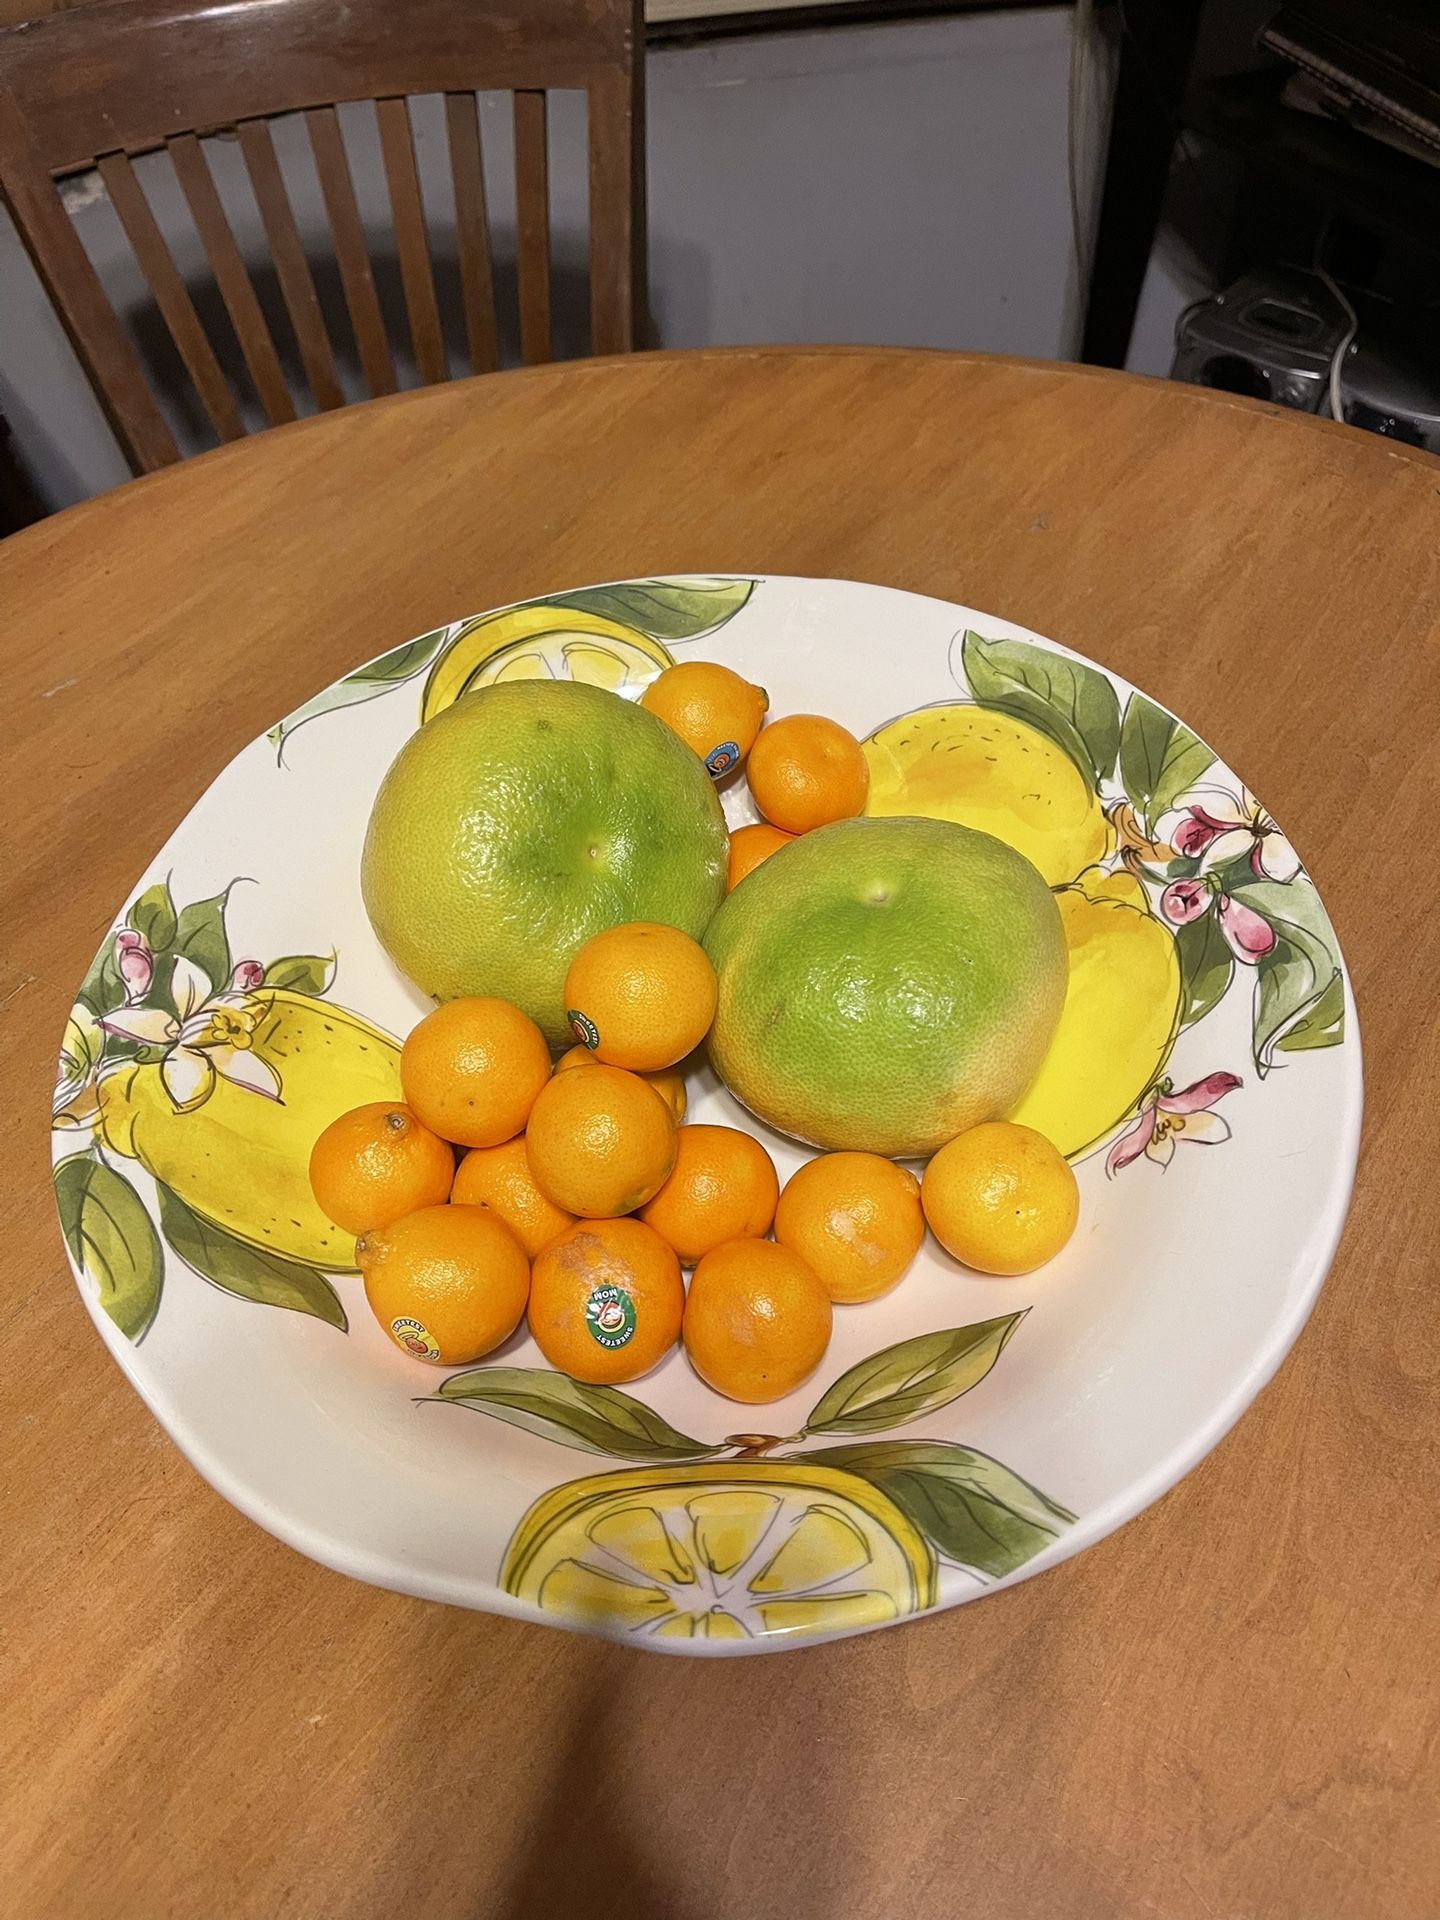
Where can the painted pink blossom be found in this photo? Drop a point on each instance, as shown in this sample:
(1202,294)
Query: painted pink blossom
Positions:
(248,975)
(1168,1116)
(1248,936)
(135,962)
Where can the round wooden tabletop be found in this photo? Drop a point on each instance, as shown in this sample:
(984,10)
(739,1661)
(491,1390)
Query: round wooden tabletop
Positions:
(1228,1708)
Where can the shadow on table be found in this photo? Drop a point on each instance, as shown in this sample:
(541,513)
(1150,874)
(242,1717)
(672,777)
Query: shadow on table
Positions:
(588,1849)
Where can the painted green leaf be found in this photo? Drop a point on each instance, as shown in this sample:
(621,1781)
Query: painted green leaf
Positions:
(1206,964)
(664,609)
(111,1238)
(301,972)
(1159,758)
(391,670)
(1073,703)
(972,1509)
(200,936)
(84,1041)
(594,1419)
(1292,980)
(102,989)
(400,664)
(153,917)
(900,1383)
(1322,1026)
(245,1271)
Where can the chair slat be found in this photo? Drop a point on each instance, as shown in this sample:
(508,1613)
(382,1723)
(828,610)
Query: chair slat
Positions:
(291,266)
(412,243)
(472,230)
(618,303)
(171,298)
(75,290)
(332,164)
(232,277)
(532,226)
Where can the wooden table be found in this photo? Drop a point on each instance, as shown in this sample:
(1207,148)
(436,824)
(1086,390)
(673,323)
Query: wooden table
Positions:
(1229,1708)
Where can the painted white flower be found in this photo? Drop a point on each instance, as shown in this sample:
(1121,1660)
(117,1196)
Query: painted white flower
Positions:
(1217,824)
(208,1034)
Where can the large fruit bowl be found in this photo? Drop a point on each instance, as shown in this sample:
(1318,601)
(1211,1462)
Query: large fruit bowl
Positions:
(963,1432)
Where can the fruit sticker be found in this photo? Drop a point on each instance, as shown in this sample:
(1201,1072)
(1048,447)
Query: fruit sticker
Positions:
(584,1030)
(415,1338)
(721,759)
(610,1317)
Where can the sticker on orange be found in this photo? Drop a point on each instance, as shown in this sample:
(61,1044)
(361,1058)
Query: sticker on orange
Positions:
(415,1337)
(610,1317)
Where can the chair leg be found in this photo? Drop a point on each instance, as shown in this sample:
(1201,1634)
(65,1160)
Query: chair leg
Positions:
(1156,49)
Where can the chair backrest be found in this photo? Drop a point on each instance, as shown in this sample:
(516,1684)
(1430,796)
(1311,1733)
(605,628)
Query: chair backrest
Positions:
(99,85)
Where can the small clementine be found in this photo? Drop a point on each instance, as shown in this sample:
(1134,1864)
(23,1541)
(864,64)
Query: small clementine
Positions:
(641,995)
(500,1178)
(448,1284)
(757,1321)
(600,1142)
(749,846)
(723,1186)
(806,771)
(855,1219)
(377,1162)
(714,711)
(472,1069)
(1001,1198)
(606,1301)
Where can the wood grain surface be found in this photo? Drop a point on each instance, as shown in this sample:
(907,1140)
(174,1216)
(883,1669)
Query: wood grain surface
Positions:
(1227,1709)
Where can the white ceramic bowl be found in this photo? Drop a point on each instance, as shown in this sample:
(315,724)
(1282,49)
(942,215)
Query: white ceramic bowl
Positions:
(962,1432)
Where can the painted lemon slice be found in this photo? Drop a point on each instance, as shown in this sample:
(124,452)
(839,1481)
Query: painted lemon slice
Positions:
(721,1552)
(544,643)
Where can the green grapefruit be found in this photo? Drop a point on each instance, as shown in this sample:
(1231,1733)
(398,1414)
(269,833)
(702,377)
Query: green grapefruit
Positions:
(885,984)
(523,819)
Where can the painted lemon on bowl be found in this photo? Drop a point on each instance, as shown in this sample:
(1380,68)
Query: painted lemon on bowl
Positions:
(544,643)
(729,1551)
(1120,1018)
(985,769)
(243,1161)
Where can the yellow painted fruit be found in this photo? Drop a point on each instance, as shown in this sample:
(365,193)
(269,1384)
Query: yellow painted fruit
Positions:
(982,769)
(1121,1013)
(544,643)
(722,1551)
(243,1161)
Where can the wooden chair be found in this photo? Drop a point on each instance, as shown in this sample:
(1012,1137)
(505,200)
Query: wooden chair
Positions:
(98,85)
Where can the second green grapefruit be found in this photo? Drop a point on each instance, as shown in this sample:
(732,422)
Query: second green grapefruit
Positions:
(885,984)
(525,818)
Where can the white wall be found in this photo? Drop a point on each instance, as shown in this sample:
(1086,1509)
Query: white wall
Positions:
(904,183)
